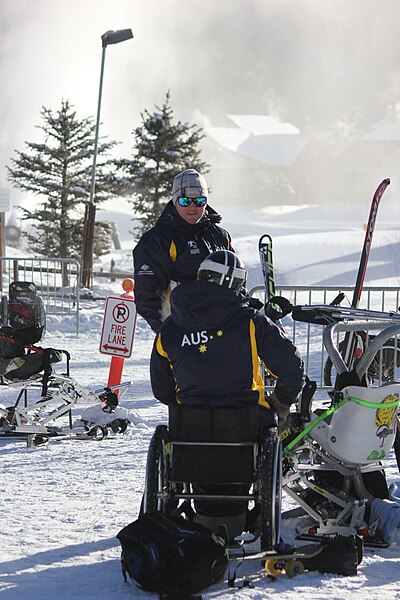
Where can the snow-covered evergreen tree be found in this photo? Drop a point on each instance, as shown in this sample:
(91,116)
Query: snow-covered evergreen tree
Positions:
(59,172)
(162,149)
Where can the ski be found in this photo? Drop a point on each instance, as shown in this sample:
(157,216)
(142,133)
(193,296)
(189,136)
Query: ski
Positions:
(349,341)
(275,311)
(267,266)
(326,314)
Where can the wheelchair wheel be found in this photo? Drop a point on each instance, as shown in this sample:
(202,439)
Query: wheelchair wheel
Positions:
(119,425)
(396,445)
(386,363)
(382,368)
(40,313)
(270,491)
(98,433)
(3,311)
(156,473)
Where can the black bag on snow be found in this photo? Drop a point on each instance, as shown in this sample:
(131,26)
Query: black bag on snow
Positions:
(171,555)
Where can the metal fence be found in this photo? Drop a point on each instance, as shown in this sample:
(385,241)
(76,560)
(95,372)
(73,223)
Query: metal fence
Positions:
(308,337)
(57,281)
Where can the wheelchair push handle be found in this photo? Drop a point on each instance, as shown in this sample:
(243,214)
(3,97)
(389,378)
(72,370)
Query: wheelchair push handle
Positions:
(361,368)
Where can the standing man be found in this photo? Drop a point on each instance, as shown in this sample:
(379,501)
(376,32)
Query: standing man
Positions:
(170,253)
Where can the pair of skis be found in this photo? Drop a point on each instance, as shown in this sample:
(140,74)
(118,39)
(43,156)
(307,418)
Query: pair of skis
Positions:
(266,259)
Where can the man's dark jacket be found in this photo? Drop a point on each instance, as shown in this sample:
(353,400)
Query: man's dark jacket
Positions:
(206,352)
(172,251)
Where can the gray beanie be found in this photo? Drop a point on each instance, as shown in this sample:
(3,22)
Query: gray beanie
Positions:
(189,183)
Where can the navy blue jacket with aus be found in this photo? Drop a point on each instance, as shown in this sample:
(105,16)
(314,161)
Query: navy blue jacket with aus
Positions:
(172,251)
(207,351)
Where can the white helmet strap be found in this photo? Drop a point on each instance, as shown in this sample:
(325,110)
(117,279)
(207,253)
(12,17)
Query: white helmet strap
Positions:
(225,270)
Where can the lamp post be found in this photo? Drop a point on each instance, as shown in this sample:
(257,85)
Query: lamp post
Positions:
(110,37)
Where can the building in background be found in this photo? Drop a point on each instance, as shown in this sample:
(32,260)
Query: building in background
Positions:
(258,160)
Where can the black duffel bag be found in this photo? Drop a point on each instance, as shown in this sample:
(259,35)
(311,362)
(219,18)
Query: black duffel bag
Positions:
(171,555)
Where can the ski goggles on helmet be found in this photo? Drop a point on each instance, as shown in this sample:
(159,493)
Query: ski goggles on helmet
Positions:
(198,202)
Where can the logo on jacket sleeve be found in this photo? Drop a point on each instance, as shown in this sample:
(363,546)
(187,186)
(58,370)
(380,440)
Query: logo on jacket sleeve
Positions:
(145,270)
(194,249)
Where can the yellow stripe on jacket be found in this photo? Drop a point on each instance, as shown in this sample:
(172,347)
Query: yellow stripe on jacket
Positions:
(258,383)
(163,353)
(172,251)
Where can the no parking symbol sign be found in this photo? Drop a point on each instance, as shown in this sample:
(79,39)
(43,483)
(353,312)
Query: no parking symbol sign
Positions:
(118,327)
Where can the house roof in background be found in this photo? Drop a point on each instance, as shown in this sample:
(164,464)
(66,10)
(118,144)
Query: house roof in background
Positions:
(227,137)
(386,130)
(259,137)
(263,124)
(264,139)
(274,150)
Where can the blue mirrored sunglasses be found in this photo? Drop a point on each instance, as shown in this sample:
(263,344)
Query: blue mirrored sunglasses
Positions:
(198,202)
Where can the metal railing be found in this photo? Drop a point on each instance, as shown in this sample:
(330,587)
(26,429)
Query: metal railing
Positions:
(57,281)
(308,337)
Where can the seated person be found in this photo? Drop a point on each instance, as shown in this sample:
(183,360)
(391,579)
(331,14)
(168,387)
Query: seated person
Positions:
(207,353)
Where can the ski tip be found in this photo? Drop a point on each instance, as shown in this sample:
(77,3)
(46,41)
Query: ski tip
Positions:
(381,188)
(384,183)
(265,237)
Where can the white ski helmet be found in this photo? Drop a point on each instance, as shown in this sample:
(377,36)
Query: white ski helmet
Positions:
(224,268)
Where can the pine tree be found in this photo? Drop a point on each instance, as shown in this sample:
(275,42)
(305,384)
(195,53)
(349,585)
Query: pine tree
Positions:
(59,171)
(162,149)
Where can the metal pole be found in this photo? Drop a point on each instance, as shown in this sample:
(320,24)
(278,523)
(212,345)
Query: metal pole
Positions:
(110,37)
(90,215)
(96,137)
(2,247)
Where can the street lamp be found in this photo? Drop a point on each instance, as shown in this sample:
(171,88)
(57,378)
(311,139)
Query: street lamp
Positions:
(110,37)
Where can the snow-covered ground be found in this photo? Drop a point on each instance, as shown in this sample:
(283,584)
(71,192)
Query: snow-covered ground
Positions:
(62,504)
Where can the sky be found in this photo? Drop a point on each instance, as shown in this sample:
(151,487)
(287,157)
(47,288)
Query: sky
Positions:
(324,62)
(63,504)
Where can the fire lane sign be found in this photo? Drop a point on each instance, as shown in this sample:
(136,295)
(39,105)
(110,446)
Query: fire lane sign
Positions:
(118,327)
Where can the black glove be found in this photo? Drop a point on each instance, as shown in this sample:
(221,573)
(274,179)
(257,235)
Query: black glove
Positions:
(281,409)
(277,308)
(255,303)
(252,302)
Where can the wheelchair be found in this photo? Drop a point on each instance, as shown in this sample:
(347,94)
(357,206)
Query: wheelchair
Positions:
(209,459)
(23,307)
(332,457)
